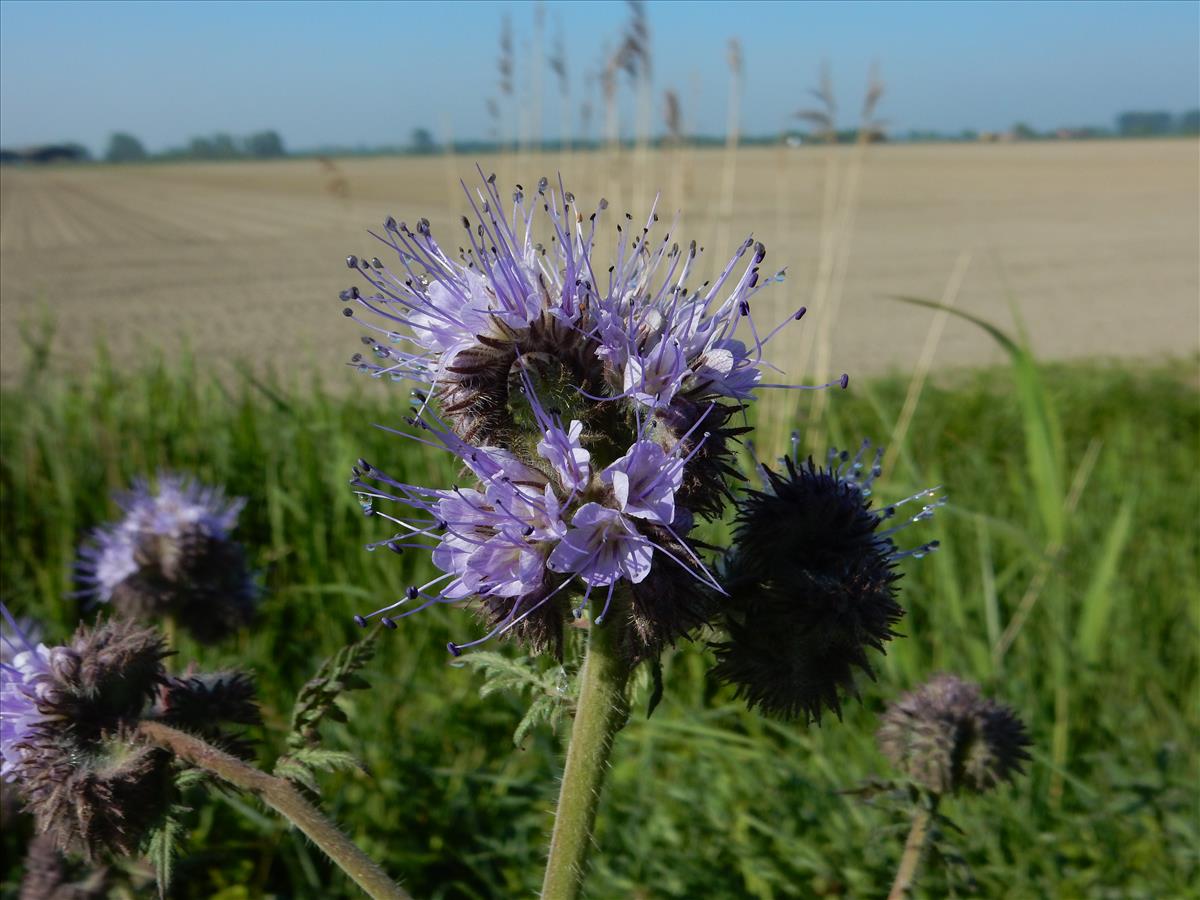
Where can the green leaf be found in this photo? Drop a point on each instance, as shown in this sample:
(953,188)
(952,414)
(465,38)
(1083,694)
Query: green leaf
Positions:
(315,702)
(550,689)
(1099,599)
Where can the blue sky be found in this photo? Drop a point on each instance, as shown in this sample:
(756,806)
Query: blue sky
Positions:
(367,73)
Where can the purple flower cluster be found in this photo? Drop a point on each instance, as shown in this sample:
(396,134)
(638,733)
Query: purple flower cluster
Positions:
(591,403)
(171,554)
(177,507)
(531,529)
(440,318)
(26,678)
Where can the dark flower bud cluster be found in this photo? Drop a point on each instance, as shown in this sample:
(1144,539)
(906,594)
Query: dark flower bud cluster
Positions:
(68,731)
(947,737)
(811,579)
(171,555)
(591,400)
(207,704)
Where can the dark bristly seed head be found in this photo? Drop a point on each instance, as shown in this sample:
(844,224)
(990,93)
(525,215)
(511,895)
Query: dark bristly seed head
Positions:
(947,737)
(812,591)
(101,799)
(70,742)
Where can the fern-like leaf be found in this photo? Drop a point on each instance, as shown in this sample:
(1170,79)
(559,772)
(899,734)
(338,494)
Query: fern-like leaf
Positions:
(315,702)
(550,689)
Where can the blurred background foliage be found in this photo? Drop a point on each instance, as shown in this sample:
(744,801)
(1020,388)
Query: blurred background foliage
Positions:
(1066,584)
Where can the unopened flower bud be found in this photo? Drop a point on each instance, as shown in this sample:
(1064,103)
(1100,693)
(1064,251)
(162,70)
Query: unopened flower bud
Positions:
(946,737)
(69,737)
(811,579)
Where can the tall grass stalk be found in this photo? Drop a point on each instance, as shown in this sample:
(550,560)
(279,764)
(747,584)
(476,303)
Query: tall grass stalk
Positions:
(925,361)
(732,134)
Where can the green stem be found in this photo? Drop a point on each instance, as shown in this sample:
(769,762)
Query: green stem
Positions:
(601,713)
(282,796)
(914,849)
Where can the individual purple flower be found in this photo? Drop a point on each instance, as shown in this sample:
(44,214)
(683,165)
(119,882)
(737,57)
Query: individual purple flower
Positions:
(602,546)
(653,378)
(562,450)
(26,681)
(171,554)
(644,482)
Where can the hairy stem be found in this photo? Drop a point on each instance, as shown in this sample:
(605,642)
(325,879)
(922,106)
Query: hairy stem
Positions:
(282,796)
(914,849)
(601,713)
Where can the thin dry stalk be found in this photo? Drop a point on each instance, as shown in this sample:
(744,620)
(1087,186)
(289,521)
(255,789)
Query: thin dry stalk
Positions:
(729,165)
(676,152)
(925,361)
(336,183)
(558,65)
(534,134)
(848,210)
(504,69)
(608,85)
(448,158)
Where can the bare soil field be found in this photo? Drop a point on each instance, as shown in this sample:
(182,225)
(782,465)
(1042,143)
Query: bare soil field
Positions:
(1095,242)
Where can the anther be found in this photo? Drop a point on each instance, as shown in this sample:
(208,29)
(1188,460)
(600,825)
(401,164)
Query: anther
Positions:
(388,623)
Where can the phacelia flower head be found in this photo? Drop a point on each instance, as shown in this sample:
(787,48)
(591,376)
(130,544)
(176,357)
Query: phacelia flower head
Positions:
(171,554)
(65,714)
(590,400)
(68,732)
(947,737)
(811,580)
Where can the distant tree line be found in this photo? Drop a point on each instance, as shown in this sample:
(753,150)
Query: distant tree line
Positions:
(1157,124)
(125,148)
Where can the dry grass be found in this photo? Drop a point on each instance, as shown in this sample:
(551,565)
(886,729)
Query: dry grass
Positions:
(1096,242)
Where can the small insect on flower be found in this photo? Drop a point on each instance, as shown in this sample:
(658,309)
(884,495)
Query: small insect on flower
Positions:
(811,579)
(590,402)
(947,737)
(171,554)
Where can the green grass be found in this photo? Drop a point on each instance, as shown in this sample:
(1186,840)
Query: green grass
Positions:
(1073,508)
